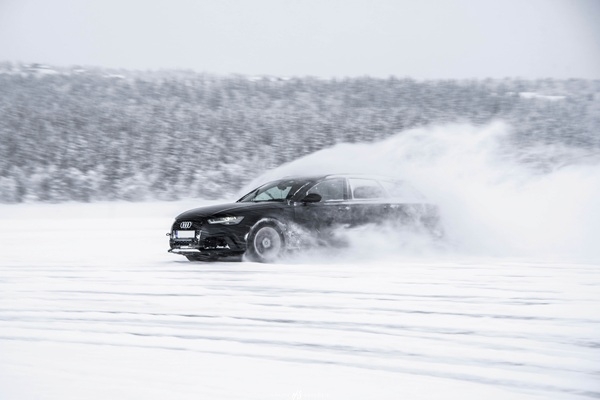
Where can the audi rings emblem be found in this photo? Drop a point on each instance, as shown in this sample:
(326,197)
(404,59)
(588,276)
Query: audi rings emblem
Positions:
(185,225)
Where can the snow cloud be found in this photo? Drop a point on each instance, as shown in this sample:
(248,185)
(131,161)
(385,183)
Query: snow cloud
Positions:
(492,200)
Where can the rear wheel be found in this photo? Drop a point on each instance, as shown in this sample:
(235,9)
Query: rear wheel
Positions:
(265,243)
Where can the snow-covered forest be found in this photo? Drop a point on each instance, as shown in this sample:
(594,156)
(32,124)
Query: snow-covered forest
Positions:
(88,134)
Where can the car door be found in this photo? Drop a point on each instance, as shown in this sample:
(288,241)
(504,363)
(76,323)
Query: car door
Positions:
(332,211)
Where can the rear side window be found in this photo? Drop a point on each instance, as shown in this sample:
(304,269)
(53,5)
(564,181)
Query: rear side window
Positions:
(366,189)
(330,190)
(402,191)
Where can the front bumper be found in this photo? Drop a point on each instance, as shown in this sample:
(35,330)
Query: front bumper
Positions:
(208,240)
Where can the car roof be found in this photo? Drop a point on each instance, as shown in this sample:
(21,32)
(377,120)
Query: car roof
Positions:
(330,176)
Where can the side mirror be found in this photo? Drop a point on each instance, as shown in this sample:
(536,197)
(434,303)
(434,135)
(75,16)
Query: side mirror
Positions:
(312,198)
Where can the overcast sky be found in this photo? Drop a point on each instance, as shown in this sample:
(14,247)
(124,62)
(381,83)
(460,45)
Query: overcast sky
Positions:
(417,38)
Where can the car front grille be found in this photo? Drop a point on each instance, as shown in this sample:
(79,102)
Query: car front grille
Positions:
(195,225)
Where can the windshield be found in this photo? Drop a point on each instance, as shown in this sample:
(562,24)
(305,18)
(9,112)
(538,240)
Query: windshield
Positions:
(274,191)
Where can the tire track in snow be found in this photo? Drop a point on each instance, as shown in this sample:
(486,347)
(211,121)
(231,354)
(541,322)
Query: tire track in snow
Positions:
(439,321)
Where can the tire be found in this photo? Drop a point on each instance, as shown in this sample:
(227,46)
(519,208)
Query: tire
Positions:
(266,242)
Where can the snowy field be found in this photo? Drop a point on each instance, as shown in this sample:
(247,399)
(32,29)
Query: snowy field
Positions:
(93,307)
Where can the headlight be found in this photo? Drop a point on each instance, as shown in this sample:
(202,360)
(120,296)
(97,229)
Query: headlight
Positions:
(226,220)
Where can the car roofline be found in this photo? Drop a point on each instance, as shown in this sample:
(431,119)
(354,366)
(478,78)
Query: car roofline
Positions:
(340,175)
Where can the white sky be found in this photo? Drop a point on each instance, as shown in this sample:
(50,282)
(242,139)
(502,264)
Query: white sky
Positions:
(417,38)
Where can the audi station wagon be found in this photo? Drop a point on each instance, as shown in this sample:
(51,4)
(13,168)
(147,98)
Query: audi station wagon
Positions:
(280,216)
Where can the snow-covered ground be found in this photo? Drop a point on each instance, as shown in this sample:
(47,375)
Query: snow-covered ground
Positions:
(93,307)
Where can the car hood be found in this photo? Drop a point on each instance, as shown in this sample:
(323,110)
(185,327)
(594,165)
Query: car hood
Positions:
(227,209)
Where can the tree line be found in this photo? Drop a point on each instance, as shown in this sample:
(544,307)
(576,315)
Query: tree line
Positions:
(87,134)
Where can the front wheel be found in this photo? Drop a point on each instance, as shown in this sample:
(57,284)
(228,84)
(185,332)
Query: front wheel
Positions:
(265,243)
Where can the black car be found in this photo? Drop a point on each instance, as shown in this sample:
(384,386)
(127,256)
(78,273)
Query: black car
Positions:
(278,216)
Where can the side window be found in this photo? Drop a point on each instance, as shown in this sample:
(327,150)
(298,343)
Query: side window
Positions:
(331,189)
(366,189)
